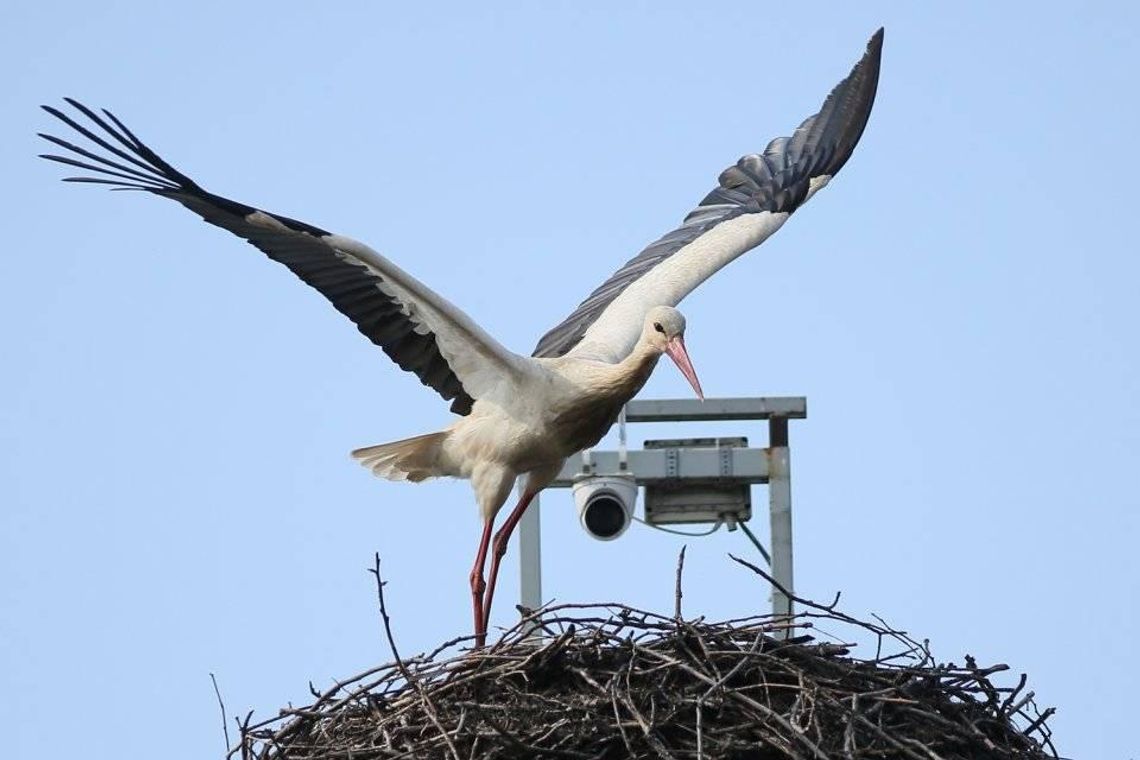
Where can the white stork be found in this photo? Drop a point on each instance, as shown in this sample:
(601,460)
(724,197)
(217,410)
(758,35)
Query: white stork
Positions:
(518,415)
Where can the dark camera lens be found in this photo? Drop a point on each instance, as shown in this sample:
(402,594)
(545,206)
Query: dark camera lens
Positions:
(605,516)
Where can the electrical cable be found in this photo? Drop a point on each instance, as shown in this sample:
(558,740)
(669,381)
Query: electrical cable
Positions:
(709,532)
(763,552)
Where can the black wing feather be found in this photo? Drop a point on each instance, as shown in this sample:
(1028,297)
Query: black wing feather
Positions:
(353,289)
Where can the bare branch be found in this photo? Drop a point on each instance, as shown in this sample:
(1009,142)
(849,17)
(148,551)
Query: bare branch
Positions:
(408,677)
(222,707)
(677,594)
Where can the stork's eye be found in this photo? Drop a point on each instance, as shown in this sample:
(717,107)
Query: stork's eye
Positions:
(657,326)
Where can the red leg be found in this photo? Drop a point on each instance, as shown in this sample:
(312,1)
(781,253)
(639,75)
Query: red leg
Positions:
(500,548)
(478,586)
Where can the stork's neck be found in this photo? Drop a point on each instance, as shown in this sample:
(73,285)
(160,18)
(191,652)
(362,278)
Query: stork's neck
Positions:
(631,373)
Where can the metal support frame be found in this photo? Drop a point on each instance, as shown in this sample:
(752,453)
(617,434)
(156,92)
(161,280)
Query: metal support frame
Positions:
(770,465)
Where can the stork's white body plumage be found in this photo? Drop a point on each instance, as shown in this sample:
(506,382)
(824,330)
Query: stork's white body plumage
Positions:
(519,415)
(542,411)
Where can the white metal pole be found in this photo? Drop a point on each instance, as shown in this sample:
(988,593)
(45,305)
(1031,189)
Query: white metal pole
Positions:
(530,556)
(780,513)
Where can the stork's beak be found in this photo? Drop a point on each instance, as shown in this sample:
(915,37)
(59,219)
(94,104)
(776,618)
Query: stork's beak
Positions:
(676,350)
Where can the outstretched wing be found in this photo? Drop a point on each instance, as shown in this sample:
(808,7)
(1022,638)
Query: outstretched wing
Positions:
(420,330)
(754,198)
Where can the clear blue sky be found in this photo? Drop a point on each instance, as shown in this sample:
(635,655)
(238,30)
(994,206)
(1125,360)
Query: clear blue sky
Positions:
(959,306)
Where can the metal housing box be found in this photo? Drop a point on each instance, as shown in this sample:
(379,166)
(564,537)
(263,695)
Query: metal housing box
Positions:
(684,496)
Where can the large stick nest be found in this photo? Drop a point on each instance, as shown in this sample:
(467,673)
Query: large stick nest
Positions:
(609,681)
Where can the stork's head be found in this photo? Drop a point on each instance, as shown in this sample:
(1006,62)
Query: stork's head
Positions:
(664,330)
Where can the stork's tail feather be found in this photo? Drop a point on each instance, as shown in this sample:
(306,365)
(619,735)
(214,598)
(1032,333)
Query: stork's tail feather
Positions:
(413,459)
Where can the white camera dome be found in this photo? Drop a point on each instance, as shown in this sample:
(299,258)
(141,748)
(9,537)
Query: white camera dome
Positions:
(605,504)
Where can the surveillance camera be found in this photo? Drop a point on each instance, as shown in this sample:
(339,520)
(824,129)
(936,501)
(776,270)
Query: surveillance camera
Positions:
(605,504)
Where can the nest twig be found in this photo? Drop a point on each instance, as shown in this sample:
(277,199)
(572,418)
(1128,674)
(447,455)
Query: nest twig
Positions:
(611,681)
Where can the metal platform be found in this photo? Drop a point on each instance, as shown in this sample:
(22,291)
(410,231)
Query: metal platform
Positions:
(699,464)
